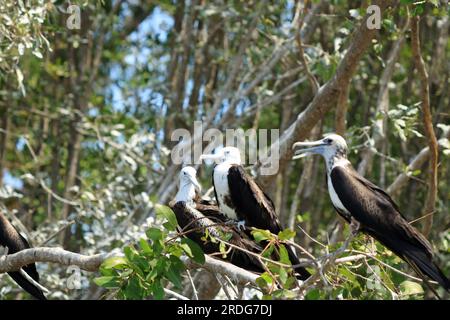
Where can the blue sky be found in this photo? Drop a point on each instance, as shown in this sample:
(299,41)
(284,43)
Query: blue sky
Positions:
(157,24)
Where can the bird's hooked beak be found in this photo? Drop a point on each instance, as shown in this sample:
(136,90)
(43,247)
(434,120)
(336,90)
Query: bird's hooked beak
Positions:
(310,148)
(195,183)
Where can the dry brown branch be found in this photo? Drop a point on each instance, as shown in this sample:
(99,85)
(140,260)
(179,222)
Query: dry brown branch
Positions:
(380,130)
(430,204)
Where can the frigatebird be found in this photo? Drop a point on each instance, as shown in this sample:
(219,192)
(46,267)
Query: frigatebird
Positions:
(14,242)
(189,188)
(371,210)
(240,198)
(195,218)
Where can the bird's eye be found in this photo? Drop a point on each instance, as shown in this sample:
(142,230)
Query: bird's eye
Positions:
(329,141)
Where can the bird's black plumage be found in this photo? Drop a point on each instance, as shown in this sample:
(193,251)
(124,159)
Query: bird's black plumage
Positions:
(13,240)
(194,223)
(253,206)
(380,217)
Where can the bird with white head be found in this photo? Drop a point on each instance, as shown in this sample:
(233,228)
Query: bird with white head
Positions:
(241,199)
(371,209)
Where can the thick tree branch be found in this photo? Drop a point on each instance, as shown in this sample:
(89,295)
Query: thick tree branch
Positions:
(327,95)
(14,262)
(416,163)
(236,274)
(430,204)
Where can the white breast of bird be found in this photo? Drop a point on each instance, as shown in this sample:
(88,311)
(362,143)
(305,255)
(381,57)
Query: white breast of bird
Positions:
(222,189)
(334,197)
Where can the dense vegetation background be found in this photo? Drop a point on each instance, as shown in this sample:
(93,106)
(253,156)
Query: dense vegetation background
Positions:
(86,116)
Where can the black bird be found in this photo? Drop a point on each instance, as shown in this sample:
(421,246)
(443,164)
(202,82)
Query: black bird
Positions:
(14,241)
(195,217)
(240,198)
(370,209)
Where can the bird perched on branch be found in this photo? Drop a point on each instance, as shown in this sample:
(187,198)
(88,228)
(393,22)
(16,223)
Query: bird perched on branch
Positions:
(195,218)
(14,242)
(240,198)
(370,209)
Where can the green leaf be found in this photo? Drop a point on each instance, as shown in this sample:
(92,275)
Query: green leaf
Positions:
(264,280)
(260,235)
(408,288)
(134,289)
(107,282)
(284,255)
(223,249)
(130,252)
(154,234)
(286,234)
(193,250)
(145,246)
(313,294)
(174,276)
(177,264)
(347,274)
(157,290)
(167,213)
(283,275)
(115,263)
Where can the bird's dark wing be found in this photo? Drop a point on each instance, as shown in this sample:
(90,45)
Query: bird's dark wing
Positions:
(15,242)
(210,209)
(380,218)
(387,201)
(257,209)
(194,223)
(250,202)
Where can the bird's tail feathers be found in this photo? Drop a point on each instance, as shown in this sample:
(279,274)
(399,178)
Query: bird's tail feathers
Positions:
(27,285)
(421,261)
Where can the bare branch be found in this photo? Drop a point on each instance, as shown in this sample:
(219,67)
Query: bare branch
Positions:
(416,163)
(236,274)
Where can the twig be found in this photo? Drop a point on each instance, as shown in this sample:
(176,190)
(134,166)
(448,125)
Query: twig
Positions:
(175,294)
(194,289)
(56,233)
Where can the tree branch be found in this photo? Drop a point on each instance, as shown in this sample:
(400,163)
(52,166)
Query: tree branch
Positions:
(415,164)
(327,95)
(238,275)
(430,204)
(13,262)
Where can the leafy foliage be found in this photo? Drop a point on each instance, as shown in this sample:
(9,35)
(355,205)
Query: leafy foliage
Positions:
(86,117)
